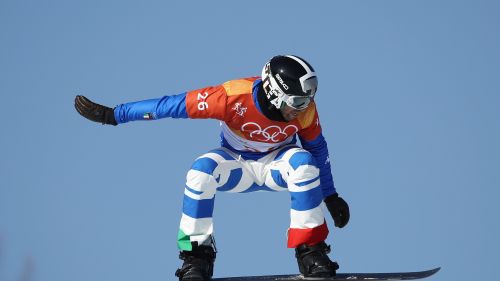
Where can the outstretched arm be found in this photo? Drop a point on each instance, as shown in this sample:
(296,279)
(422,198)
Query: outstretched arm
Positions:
(209,102)
(167,106)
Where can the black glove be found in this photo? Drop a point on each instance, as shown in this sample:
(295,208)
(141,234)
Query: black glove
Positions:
(338,209)
(95,112)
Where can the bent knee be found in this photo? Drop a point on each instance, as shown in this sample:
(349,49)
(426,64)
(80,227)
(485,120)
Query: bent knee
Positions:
(302,158)
(303,170)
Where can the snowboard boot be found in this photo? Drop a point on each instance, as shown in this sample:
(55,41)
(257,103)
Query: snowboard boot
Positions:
(198,264)
(314,261)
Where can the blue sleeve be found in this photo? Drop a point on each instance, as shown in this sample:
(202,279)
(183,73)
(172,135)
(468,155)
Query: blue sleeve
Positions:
(167,106)
(318,148)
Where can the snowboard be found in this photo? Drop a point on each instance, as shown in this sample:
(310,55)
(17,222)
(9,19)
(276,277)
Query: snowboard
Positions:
(339,276)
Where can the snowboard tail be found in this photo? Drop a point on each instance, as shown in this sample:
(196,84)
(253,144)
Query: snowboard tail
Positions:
(339,276)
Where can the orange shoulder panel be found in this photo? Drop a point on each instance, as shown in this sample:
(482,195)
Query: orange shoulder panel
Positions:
(239,86)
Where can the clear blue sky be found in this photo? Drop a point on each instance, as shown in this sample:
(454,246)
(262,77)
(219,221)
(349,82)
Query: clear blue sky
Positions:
(409,99)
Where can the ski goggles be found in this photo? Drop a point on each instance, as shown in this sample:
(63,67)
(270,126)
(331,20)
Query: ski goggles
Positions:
(297,102)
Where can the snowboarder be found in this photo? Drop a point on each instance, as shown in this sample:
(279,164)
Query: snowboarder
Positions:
(261,118)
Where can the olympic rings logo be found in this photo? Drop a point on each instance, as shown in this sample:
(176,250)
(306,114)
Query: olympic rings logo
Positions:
(272,133)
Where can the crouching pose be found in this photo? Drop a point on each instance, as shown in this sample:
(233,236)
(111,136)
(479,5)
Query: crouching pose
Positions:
(261,118)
